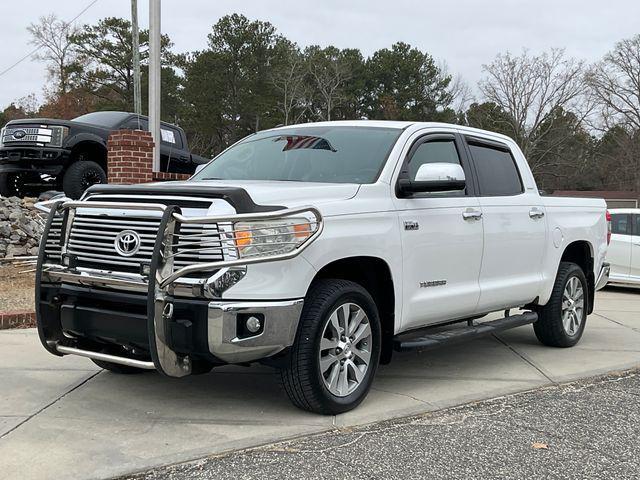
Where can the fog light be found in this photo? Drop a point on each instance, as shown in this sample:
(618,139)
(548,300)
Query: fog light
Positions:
(253,324)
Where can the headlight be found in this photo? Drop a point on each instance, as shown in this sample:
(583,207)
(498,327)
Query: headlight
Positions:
(267,238)
(2,137)
(57,135)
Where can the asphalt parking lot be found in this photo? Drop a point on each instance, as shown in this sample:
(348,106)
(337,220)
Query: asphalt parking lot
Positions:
(586,429)
(63,417)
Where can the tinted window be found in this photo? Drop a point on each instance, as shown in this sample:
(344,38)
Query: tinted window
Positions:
(309,154)
(433,152)
(620,224)
(497,171)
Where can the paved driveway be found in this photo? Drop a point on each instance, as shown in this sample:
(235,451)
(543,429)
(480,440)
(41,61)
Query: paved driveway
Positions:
(63,417)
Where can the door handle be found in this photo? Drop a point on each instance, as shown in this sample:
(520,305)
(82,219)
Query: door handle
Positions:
(536,213)
(472,214)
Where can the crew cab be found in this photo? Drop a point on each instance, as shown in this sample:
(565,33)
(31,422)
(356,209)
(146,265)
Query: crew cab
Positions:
(319,249)
(44,153)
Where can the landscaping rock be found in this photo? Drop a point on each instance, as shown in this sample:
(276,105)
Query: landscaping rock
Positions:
(21,227)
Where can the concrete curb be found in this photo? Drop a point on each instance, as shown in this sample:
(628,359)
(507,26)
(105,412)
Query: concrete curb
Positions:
(17,319)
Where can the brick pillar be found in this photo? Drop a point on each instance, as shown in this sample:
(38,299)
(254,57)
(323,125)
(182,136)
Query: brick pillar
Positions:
(130,157)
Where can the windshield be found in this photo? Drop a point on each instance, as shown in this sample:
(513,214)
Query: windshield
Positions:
(106,119)
(328,154)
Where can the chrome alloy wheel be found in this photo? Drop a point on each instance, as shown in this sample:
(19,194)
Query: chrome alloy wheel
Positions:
(345,349)
(572,306)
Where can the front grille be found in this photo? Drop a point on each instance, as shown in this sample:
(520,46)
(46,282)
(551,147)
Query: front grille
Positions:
(92,241)
(53,249)
(29,135)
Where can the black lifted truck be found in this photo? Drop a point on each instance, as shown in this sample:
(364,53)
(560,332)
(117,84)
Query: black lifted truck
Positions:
(40,154)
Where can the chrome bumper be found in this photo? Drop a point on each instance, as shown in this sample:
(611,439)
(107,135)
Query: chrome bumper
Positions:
(603,278)
(280,323)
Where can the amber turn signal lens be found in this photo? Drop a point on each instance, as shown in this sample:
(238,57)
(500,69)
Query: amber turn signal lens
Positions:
(243,238)
(302,230)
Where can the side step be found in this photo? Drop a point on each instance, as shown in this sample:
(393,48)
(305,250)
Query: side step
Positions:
(459,335)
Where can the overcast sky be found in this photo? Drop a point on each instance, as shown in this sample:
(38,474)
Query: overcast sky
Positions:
(464,33)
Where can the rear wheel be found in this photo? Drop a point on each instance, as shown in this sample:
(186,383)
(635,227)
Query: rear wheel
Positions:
(562,320)
(337,348)
(80,176)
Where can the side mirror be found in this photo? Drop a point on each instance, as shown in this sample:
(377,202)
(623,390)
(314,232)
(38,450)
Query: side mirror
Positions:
(200,167)
(435,177)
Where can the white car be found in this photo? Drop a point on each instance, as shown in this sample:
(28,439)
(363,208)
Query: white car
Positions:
(318,249)
(624,250)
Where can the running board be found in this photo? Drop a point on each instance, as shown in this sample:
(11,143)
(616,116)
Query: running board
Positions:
(459,335)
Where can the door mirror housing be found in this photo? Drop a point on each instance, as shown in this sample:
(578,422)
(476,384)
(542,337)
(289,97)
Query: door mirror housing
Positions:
(435,177)
(200,167)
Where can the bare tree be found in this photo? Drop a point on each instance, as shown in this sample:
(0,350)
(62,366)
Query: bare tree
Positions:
(615,85)
(461,96)
(57,51)
(290,82)
(531,89)
(329,75)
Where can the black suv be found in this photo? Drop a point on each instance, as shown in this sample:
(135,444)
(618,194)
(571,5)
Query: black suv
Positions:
(39,154)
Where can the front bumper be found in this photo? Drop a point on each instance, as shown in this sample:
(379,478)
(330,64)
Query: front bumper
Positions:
(225,329)
(79,312)
(603,278)
(43,160)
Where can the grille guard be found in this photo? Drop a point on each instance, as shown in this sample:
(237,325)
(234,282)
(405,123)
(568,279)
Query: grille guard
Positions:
(161,276)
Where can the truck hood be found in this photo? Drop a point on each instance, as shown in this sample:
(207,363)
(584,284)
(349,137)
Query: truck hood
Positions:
(262,193)
(288,194)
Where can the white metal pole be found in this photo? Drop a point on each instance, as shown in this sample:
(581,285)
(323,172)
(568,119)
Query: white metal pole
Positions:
(137,102)
(154,79)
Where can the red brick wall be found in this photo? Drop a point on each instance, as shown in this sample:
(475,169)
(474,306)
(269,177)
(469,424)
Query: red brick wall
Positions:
(130,159)
(164,176)
(17,319)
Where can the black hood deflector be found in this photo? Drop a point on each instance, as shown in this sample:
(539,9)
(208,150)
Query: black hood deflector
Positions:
(238,197)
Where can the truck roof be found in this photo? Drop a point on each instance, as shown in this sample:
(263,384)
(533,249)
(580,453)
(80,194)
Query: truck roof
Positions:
(396,124)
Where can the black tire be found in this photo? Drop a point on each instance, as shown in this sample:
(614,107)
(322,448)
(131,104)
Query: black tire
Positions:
(549,328)
(117,368)
(13,184)
(301,376)
(80,176)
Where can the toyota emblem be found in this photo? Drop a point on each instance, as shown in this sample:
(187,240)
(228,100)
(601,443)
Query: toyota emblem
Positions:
(127,243)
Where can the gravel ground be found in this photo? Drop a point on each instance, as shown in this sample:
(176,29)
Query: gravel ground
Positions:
(16,289)
(587,429)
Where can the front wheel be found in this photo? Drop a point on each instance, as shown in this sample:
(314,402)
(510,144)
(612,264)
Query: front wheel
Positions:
(332,363)
(562,320)
(19,184)
(80,176)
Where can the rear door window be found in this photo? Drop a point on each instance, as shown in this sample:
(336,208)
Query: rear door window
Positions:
(621,223)
(496,169)
(170,137)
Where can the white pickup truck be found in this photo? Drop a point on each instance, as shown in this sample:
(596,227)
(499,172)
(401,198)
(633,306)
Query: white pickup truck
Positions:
(319,249)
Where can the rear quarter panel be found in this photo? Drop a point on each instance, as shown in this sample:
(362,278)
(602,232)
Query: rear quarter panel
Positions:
(569,220)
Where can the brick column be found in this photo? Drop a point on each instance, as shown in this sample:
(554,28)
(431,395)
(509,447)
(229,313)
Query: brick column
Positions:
(130,157)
